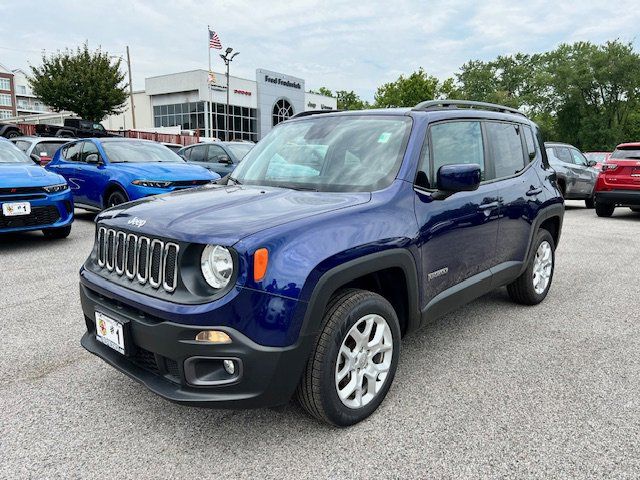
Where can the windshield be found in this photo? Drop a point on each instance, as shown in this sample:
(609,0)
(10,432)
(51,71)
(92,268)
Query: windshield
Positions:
(9,153)
(626,153)
(329,153)
(239,150)
(139,152)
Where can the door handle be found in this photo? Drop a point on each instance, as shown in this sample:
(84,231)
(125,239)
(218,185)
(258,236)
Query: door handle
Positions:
(487,206)
(534,191)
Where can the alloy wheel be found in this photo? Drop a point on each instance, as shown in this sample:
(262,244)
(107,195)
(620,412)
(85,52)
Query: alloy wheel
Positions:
(364,360)
(542,267)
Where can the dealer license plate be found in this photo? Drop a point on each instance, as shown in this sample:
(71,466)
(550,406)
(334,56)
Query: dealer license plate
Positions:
(15,209)
(110,332)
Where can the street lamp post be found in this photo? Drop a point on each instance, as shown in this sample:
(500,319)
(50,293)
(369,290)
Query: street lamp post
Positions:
(227,57)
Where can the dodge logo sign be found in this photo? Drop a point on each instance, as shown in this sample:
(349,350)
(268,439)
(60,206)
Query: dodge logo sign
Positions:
(136,222)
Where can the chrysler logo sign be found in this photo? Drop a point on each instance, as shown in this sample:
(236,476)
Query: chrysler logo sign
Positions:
(136,222)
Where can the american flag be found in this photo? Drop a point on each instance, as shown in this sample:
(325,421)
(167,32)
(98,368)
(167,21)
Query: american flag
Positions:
(214,40)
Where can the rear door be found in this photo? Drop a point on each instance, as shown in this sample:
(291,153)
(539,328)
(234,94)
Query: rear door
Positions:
(198,155)
(573,186)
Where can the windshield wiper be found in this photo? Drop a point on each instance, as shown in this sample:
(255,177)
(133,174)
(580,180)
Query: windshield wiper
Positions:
(235,181)
(297,187)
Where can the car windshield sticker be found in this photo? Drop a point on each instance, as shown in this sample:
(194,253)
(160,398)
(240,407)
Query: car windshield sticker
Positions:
(384,137)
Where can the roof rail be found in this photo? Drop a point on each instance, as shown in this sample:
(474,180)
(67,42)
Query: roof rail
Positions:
(445,104)
(313,112)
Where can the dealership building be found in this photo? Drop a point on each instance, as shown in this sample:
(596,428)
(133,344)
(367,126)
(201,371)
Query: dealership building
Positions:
(195,100)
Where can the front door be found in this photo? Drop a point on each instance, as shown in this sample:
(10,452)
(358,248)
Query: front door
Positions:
(458,233)
(218,160)
(94,177)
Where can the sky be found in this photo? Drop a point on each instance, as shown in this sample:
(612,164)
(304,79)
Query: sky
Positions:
(343,45)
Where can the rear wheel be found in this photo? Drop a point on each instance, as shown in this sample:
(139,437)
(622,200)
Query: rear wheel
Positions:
(533,285)
(116,198)
(604,209)
(13,134)
(56,233)
(354,360)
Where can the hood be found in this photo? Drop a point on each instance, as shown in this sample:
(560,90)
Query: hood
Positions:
(167,171)
(224,214)
(25,175)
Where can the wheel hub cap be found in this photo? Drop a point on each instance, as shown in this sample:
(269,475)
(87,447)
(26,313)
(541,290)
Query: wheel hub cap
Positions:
(542,267)
(363,361)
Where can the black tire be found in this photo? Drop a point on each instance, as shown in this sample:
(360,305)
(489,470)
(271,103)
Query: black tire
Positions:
(590,202)
(57,233)
(116,198)
(522,290)
(604,209)
(13,134)
(317,391)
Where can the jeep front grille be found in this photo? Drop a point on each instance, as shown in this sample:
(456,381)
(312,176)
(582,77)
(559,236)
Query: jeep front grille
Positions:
(147,260)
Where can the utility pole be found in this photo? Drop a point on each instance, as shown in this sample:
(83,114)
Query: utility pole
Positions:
(133,108)
(228,58)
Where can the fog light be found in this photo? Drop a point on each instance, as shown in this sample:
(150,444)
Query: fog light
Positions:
(213,336)
(229,366)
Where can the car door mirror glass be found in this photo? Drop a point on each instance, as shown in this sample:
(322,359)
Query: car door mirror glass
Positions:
(592,163)
(224,159)
(35,158)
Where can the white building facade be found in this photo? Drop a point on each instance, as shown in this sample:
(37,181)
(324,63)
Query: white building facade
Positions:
(189,101)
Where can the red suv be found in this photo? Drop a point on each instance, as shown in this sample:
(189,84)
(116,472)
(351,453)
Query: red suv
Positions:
(618,184)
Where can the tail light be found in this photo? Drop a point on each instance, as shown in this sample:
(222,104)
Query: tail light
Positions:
(609,167)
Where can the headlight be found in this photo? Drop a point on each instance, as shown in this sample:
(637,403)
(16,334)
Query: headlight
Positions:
(55,188)
(152,183)
(217,266)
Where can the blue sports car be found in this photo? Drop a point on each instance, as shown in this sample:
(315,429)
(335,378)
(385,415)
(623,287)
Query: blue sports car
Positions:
(30,197)
(108,171)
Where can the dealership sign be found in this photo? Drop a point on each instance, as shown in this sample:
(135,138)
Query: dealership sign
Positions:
(283,82)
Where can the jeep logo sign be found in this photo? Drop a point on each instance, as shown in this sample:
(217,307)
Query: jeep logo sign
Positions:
(136,222)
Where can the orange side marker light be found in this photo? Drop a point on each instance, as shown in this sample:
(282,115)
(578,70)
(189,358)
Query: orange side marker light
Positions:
(260,262)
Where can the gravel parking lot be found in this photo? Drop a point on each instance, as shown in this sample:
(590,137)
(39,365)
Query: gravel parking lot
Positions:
(492,390)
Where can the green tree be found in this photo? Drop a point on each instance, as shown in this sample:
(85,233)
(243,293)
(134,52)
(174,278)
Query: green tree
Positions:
(407,91)
(84,82)
(347,100)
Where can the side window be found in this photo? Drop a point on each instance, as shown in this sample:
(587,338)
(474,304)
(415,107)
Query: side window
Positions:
(72,152)
(22,145)
(578,158)
(563,154)
(456,142)
(98,126)
(529,141)
(85,125)
(198,153)
(89,148)
(506,148)
(214,153)
(424,167)
(186,153)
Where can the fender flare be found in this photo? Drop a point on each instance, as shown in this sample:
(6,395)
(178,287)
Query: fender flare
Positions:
(553,210)
(335,278)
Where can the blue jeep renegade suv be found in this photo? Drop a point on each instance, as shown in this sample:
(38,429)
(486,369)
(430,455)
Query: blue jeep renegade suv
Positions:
(338,234)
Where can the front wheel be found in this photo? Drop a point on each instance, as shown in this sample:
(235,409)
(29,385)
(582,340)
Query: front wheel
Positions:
(116,198)
(13,134)
(604,209)
(57,233)
(354,360)
(532,286)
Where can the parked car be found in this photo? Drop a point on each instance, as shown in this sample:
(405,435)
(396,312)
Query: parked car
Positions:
(74,128)
(598,157)
(174,147)
(9,130)
(219,157)
(109,171)
(302,273)
(30,197)
(576,175)
(619,182)
(40,149)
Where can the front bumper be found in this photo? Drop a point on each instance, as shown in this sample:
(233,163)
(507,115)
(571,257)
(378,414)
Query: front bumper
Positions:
(165,357)
(48,211)
(619,197)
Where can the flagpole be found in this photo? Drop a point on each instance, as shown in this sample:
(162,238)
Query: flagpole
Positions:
(210,108)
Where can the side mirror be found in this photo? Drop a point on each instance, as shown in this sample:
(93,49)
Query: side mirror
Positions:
(591,163)
(35,158)
(92,158)
(224,159)
(459,177)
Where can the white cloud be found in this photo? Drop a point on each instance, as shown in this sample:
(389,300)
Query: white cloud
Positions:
(336,43)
